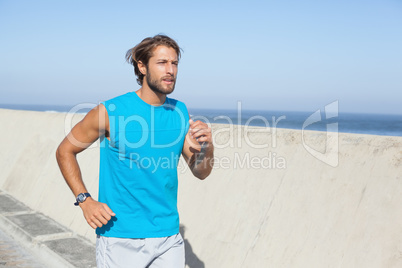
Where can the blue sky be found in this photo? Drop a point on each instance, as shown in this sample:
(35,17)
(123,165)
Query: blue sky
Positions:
(270,55)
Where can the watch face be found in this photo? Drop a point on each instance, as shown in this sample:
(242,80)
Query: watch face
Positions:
(81,198)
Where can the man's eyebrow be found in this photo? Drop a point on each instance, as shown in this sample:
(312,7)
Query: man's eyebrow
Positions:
(167,60)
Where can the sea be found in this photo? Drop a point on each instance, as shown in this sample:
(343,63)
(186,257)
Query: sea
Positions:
(373,124)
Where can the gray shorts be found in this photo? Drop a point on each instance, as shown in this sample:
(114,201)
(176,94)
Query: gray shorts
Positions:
(164,252)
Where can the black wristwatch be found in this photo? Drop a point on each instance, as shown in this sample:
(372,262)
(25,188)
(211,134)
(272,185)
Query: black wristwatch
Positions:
(81,198)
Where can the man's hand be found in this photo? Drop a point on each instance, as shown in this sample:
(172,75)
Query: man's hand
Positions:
(96,213)
(200,131)
(198,149)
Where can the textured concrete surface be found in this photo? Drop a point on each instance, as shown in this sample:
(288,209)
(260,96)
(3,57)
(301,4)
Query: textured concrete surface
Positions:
(75,250)
(46,242)
(9,204)
(270,201)
(36,224)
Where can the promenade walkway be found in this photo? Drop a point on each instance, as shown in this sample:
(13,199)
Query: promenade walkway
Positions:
(30,239)
(13,254)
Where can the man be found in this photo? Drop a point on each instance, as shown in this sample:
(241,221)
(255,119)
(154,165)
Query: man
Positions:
(142,135)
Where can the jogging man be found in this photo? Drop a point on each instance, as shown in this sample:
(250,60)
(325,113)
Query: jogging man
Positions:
(142,135)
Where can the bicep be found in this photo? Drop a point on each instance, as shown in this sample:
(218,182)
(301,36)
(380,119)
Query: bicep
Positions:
(87,131)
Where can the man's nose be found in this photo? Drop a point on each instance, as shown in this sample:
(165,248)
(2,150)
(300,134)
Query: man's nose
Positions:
(169,68)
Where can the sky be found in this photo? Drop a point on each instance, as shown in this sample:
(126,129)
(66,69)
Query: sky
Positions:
(268,55)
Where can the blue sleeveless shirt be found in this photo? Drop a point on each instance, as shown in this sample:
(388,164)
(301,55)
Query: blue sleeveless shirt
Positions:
(138,166)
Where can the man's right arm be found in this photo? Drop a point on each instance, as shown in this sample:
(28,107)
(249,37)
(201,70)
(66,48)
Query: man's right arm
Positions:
(86,132)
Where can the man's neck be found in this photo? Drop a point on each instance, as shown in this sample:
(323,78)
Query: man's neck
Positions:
(151,97)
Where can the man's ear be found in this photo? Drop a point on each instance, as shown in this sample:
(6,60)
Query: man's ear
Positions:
(142,68)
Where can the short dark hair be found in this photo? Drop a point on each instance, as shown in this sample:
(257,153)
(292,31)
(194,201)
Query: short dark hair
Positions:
(143,52)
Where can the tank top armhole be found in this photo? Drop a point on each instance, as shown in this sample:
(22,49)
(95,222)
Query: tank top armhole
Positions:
(111,139)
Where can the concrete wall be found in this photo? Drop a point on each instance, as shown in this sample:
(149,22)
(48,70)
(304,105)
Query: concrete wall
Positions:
(277,206)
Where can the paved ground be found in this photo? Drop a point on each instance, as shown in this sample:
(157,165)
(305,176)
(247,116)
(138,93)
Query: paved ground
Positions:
(13,254)
(55,245)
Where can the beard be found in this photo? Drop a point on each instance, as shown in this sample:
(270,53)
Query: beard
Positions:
(157,86)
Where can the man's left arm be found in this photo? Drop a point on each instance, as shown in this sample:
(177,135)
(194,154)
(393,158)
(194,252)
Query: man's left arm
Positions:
(198,149)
